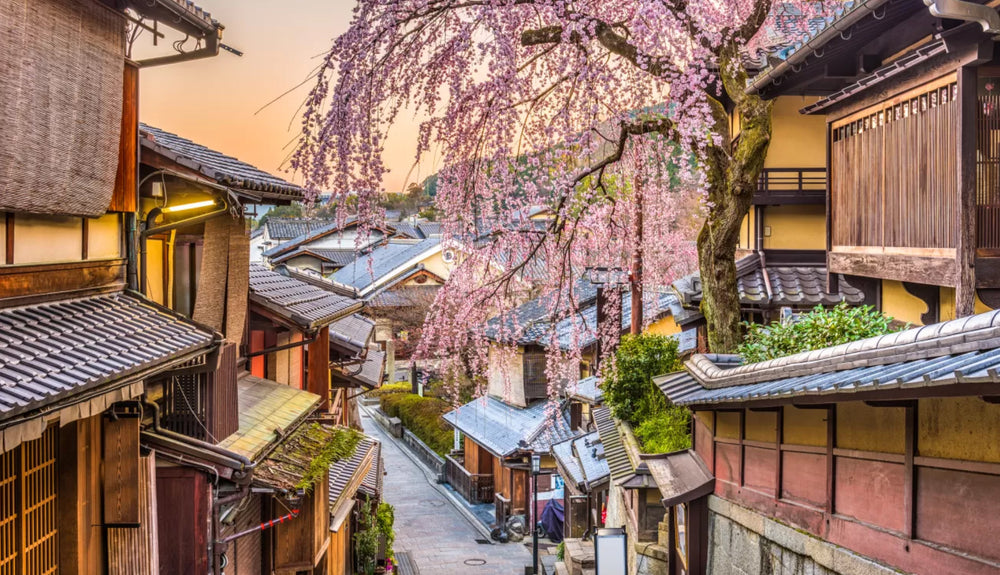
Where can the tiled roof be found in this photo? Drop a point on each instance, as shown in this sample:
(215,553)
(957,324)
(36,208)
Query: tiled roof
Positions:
(965,350)
(776,286)
(376,266)
(348,475)
(267,411)
(320,231)
(53,350)
(337,257)
(619,464)
(504,429)
(290,466)
(680,476)
(224,169)
(370,374)
(372,484)
(305,305)
(284,229)
(584,459)
(589,390)
(352,332)
(409,230)
(404,296)
(530,323)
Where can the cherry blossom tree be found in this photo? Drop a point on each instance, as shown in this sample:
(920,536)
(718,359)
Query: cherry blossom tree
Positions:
(601,110)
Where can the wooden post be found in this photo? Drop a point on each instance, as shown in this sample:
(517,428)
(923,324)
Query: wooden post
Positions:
(909,477)
(965,248)
(831,461)
(319,367)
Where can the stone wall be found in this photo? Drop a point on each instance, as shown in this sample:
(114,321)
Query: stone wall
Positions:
(644,557)
(744,542)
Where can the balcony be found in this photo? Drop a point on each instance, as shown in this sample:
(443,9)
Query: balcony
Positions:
(786,186)
(474,487)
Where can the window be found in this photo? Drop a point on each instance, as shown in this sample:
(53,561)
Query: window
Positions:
(28,513)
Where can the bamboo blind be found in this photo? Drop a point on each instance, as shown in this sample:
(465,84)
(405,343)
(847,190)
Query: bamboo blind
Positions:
(894,171)
(28,507)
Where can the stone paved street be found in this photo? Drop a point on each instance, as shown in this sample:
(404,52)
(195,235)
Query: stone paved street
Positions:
(438,537)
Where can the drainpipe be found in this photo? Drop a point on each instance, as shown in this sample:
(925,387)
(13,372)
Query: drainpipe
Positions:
(245,465)
(960,10)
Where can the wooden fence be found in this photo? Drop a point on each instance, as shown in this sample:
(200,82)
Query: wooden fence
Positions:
(474,487)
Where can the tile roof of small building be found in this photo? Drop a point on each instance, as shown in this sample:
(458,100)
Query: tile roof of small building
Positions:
(776,286)
(268,410)
(584,459)
(349,475)
(333,256)
(504,429)
(305,305)
(405,296)
(680,476)
(589,390)
(284,229)
(331,227)
(50,351)
(291,465)
(376,266)
(352,332)
(965,350)
(619,463)
(224,169)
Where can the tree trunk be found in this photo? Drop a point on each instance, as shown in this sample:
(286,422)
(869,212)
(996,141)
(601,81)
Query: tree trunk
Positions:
(732,182)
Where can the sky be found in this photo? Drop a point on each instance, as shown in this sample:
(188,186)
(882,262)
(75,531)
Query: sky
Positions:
(215,101)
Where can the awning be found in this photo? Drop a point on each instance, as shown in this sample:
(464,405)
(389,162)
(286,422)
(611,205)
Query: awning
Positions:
(268,410)
(681,476)
(347,476)
(303,457)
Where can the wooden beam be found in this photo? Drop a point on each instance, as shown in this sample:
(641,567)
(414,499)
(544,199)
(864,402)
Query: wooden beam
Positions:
(831,459)
(907,268)
(743,451)
(85,237)
(892,403)
(47,279)
(965,250)
(909,473)
(780,424)
(319,366)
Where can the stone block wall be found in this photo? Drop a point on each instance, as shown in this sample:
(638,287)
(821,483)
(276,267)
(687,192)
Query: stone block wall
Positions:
(744,542)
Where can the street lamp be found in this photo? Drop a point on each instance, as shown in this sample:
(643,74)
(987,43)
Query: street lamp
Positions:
(536,465)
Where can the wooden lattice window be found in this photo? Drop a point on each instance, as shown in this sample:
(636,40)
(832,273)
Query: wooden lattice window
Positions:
(28,513)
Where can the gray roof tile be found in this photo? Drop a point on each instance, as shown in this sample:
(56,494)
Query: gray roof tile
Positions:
(224,169)
(617,457)
(306,305)
(52,350)
(290,228)
(374,266)
(584,458)
(505,429)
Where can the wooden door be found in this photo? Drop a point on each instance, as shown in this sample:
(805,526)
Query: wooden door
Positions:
(28,507)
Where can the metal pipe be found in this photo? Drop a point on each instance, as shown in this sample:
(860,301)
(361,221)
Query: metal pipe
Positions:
(263,526)
(960,10)
(151,229)
(282,347)
(192,463)
(168,434)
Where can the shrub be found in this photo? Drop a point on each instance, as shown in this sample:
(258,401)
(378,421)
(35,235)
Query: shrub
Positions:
(665,431)
(814,330)
(629,389)
(422,416)
(385,516)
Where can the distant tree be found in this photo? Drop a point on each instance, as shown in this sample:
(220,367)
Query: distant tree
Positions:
(293,210)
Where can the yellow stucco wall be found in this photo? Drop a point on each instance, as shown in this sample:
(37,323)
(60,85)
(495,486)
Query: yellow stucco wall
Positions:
(871,428)
(959,428)
(706,418)
(761,426)
(663,326)
(948,304)
(154,271)
(797,141)
(804,426)
(435,264)
(899,304)
(727,424)
(746,232)
(104,237)
(795,227)
(42,239)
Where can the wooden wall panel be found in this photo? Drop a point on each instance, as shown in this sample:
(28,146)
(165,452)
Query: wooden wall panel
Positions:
(727,462)
(803,478)
(959,509)
(319,367)
(121,472)
(959,428)
(81,548)
(124,197)
(57,279)
(758,468)
(704,444)
(761,426)
(337,555)
(871,491)
(223,412)
(135,550)
(471,455)
(727,424)
(183,501)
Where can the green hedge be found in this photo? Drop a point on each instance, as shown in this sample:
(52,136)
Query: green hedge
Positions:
(421,415)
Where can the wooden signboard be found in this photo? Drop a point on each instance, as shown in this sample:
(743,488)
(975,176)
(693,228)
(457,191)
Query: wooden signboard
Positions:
(121,472)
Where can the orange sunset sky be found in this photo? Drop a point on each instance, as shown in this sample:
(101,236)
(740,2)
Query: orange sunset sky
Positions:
(215,101)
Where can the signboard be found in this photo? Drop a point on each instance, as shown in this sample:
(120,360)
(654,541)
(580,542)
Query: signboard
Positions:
(610,556)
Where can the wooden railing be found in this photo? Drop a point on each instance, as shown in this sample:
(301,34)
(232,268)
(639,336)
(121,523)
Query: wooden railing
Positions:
(475,488)
(894,173)
(782,186)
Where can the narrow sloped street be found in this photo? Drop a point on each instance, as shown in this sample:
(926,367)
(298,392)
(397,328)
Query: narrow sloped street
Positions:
(439,538)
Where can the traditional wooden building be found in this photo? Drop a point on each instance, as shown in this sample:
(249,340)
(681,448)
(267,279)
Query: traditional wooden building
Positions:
(906,92)
(878,456)
(324,248)
(582,463)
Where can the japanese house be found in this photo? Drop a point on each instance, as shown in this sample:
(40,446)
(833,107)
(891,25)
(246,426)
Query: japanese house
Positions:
(880,453)
(323,248)
(81,344)
(583,466)
(907,94)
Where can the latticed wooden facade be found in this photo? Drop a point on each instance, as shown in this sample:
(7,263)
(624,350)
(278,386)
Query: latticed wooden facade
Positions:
(29,525)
